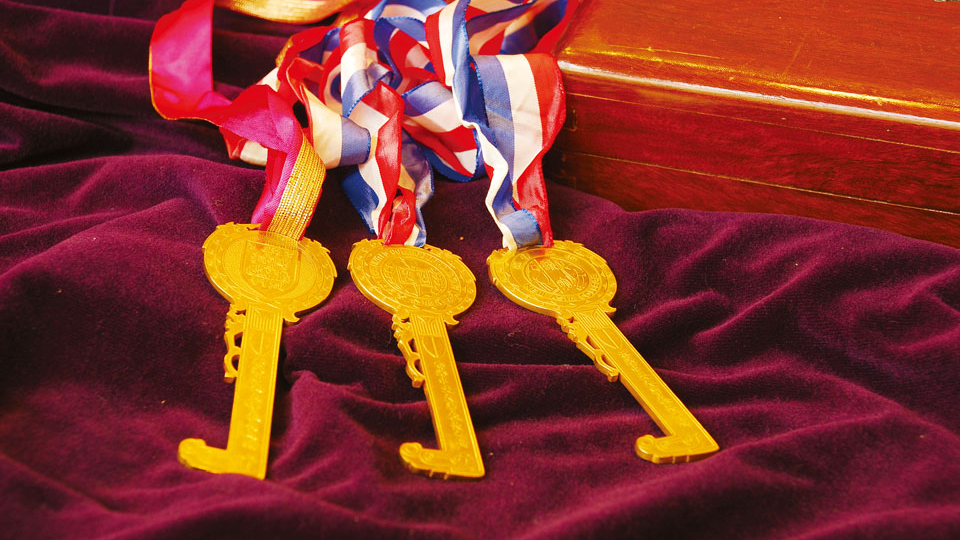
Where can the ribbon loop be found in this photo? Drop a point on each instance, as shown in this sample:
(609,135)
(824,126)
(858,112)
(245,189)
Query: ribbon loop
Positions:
(465,87)
(181,86)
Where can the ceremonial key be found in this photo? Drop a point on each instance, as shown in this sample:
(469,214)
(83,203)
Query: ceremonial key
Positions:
(268,278)
(424,288)
(575,286)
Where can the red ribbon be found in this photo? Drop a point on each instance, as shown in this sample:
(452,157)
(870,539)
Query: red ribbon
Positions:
(181,86)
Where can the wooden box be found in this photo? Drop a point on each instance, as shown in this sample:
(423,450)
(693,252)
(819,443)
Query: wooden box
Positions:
(838,110)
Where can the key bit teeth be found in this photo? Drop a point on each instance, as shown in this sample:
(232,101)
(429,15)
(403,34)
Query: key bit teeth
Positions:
(398,322)
(412,358)
(417,378)
(235,319)
(230,338)
(402,332)
(230,371)
(569,326)
(610,372)
(600,361)
(230,360)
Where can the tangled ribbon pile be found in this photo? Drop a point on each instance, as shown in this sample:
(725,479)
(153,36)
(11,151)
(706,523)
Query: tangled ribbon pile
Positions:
(468,88)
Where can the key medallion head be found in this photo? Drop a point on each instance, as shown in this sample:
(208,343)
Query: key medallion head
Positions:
(554,281)
(246,264)
(401,279)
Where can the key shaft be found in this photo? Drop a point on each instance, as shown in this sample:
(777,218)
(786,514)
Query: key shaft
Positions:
(433,367)
(248,443)
(268,278)
(424,288)
(685,438)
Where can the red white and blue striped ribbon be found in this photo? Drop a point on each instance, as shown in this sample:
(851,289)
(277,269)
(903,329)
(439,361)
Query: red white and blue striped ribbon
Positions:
(466,87)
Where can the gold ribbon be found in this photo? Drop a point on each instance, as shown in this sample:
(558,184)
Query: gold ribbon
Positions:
(286,11)
(300,194)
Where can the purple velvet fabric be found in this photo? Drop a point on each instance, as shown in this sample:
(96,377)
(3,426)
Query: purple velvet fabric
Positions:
(823,358)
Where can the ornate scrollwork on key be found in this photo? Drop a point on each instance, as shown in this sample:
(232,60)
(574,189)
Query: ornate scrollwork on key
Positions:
(580,335)
(403,333)
(233,332)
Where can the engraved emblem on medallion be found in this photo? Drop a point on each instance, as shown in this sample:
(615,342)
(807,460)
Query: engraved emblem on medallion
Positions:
(273,269)
(416,276)
(553,281)
(247,264)
(426,278)
(555,276)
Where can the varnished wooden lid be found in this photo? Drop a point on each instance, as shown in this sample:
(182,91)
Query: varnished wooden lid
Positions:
(883,56)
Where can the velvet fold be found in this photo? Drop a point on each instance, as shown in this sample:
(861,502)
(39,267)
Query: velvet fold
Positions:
(823,358)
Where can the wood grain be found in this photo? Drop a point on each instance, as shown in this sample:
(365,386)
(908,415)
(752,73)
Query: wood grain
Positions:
(662,187)
(835,110)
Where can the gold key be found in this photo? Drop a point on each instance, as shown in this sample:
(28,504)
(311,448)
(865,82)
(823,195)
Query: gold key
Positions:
(268,278)
(575,286)
(424,288)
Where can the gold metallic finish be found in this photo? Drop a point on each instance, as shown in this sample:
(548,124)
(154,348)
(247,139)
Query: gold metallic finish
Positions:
(283,51)
(424,288)
(300,195)
(267,278)
(575,286)
(286,11)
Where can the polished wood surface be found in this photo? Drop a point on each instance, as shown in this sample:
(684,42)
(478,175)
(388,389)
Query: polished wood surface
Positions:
(834,110)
